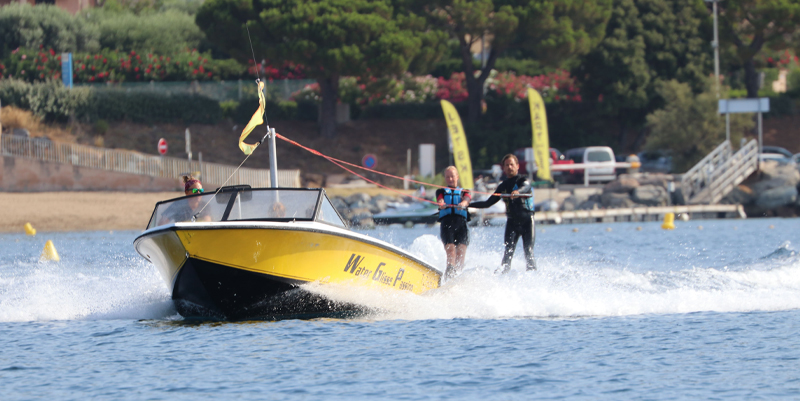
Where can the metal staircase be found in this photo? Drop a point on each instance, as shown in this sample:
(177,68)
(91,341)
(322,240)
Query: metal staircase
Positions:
(718,173)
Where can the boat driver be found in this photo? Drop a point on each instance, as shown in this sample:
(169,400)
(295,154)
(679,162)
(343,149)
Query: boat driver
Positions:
(183,210)
(519,212)
(453,216)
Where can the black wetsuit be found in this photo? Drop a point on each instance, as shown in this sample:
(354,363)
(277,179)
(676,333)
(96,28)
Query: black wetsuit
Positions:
(519,223)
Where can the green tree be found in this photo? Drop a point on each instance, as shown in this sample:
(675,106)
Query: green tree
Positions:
(647,42)
(547,31)
(22,25)
(689,125)
(332,38)
(751,25)
(163,32)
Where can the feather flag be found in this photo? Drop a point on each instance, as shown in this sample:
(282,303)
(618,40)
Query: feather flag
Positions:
(256,120)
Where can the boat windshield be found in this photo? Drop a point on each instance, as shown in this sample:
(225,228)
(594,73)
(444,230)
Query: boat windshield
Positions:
(245,204)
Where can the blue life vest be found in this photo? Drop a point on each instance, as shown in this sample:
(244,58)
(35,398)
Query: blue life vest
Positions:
(452,196)
(527,203)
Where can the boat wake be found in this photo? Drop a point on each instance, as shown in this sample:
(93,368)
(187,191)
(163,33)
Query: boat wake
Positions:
(573,288)
(567,285)
(125,288)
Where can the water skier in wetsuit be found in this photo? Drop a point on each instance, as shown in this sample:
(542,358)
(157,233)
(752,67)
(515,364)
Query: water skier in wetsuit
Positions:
(519,212)
(453,202)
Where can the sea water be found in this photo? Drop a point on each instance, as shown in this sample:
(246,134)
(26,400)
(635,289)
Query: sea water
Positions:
(615,311)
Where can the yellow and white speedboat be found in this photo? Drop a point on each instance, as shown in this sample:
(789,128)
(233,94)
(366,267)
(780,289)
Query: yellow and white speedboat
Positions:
(249,251)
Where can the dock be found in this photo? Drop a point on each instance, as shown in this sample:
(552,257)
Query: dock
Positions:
(656,213)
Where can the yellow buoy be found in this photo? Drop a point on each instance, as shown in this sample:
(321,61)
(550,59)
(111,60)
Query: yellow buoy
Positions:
(29,229)
(669,221)
(638,228)
(699,227)
(49,252)
(574,230)
(608,229)
(771,227)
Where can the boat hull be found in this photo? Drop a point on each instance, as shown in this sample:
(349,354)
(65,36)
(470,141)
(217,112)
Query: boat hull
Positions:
(256,271)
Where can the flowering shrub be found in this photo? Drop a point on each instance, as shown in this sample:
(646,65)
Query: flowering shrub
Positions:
(406,89)
(113,66)
(453,89)
(271,71)
(779,60)
(555,86)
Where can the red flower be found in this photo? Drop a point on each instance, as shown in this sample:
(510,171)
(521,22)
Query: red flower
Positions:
(52,52)
(209,74)
(91,79)
(105,61)
(136,69)
(41,46)
(194,72)
(190,64)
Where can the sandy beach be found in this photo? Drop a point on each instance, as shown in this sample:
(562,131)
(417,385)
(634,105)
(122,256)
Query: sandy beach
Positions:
(78,211)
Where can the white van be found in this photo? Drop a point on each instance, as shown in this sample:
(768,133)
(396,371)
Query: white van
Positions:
(602,156)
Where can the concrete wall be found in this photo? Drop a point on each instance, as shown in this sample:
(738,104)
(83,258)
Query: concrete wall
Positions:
(18,174)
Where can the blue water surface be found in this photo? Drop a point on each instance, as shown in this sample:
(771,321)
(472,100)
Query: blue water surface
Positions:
(632,313)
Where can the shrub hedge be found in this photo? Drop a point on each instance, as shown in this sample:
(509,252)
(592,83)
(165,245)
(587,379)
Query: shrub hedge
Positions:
(52,101)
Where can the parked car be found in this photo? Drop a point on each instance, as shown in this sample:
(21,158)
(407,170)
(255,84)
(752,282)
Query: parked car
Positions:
(778,158)
(655,161)
(556,157)
(601,156)
(776,150)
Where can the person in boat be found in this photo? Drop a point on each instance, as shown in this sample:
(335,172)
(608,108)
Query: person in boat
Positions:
(453,216)
(519,212)
(277,210)
(183,210)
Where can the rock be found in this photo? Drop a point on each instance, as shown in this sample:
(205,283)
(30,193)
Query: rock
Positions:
(786,173)
(623,184)
(677,196)
(340,205)
(615,201)
(361,217)
(570,203)
(651,195)
(589,205)
(772,183)
(357,197)
(359,204)
(378,205)
(742,194)
(776,197)
(658,179)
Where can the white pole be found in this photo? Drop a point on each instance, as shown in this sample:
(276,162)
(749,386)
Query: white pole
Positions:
(716,49)
(273,162)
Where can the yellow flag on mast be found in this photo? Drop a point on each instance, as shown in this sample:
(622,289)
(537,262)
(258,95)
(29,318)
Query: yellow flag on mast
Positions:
(459,141)
(541,141)
(256,120)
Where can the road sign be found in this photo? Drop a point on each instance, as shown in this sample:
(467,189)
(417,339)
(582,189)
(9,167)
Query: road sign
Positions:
(162,146)
(760,105)
(369,161)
